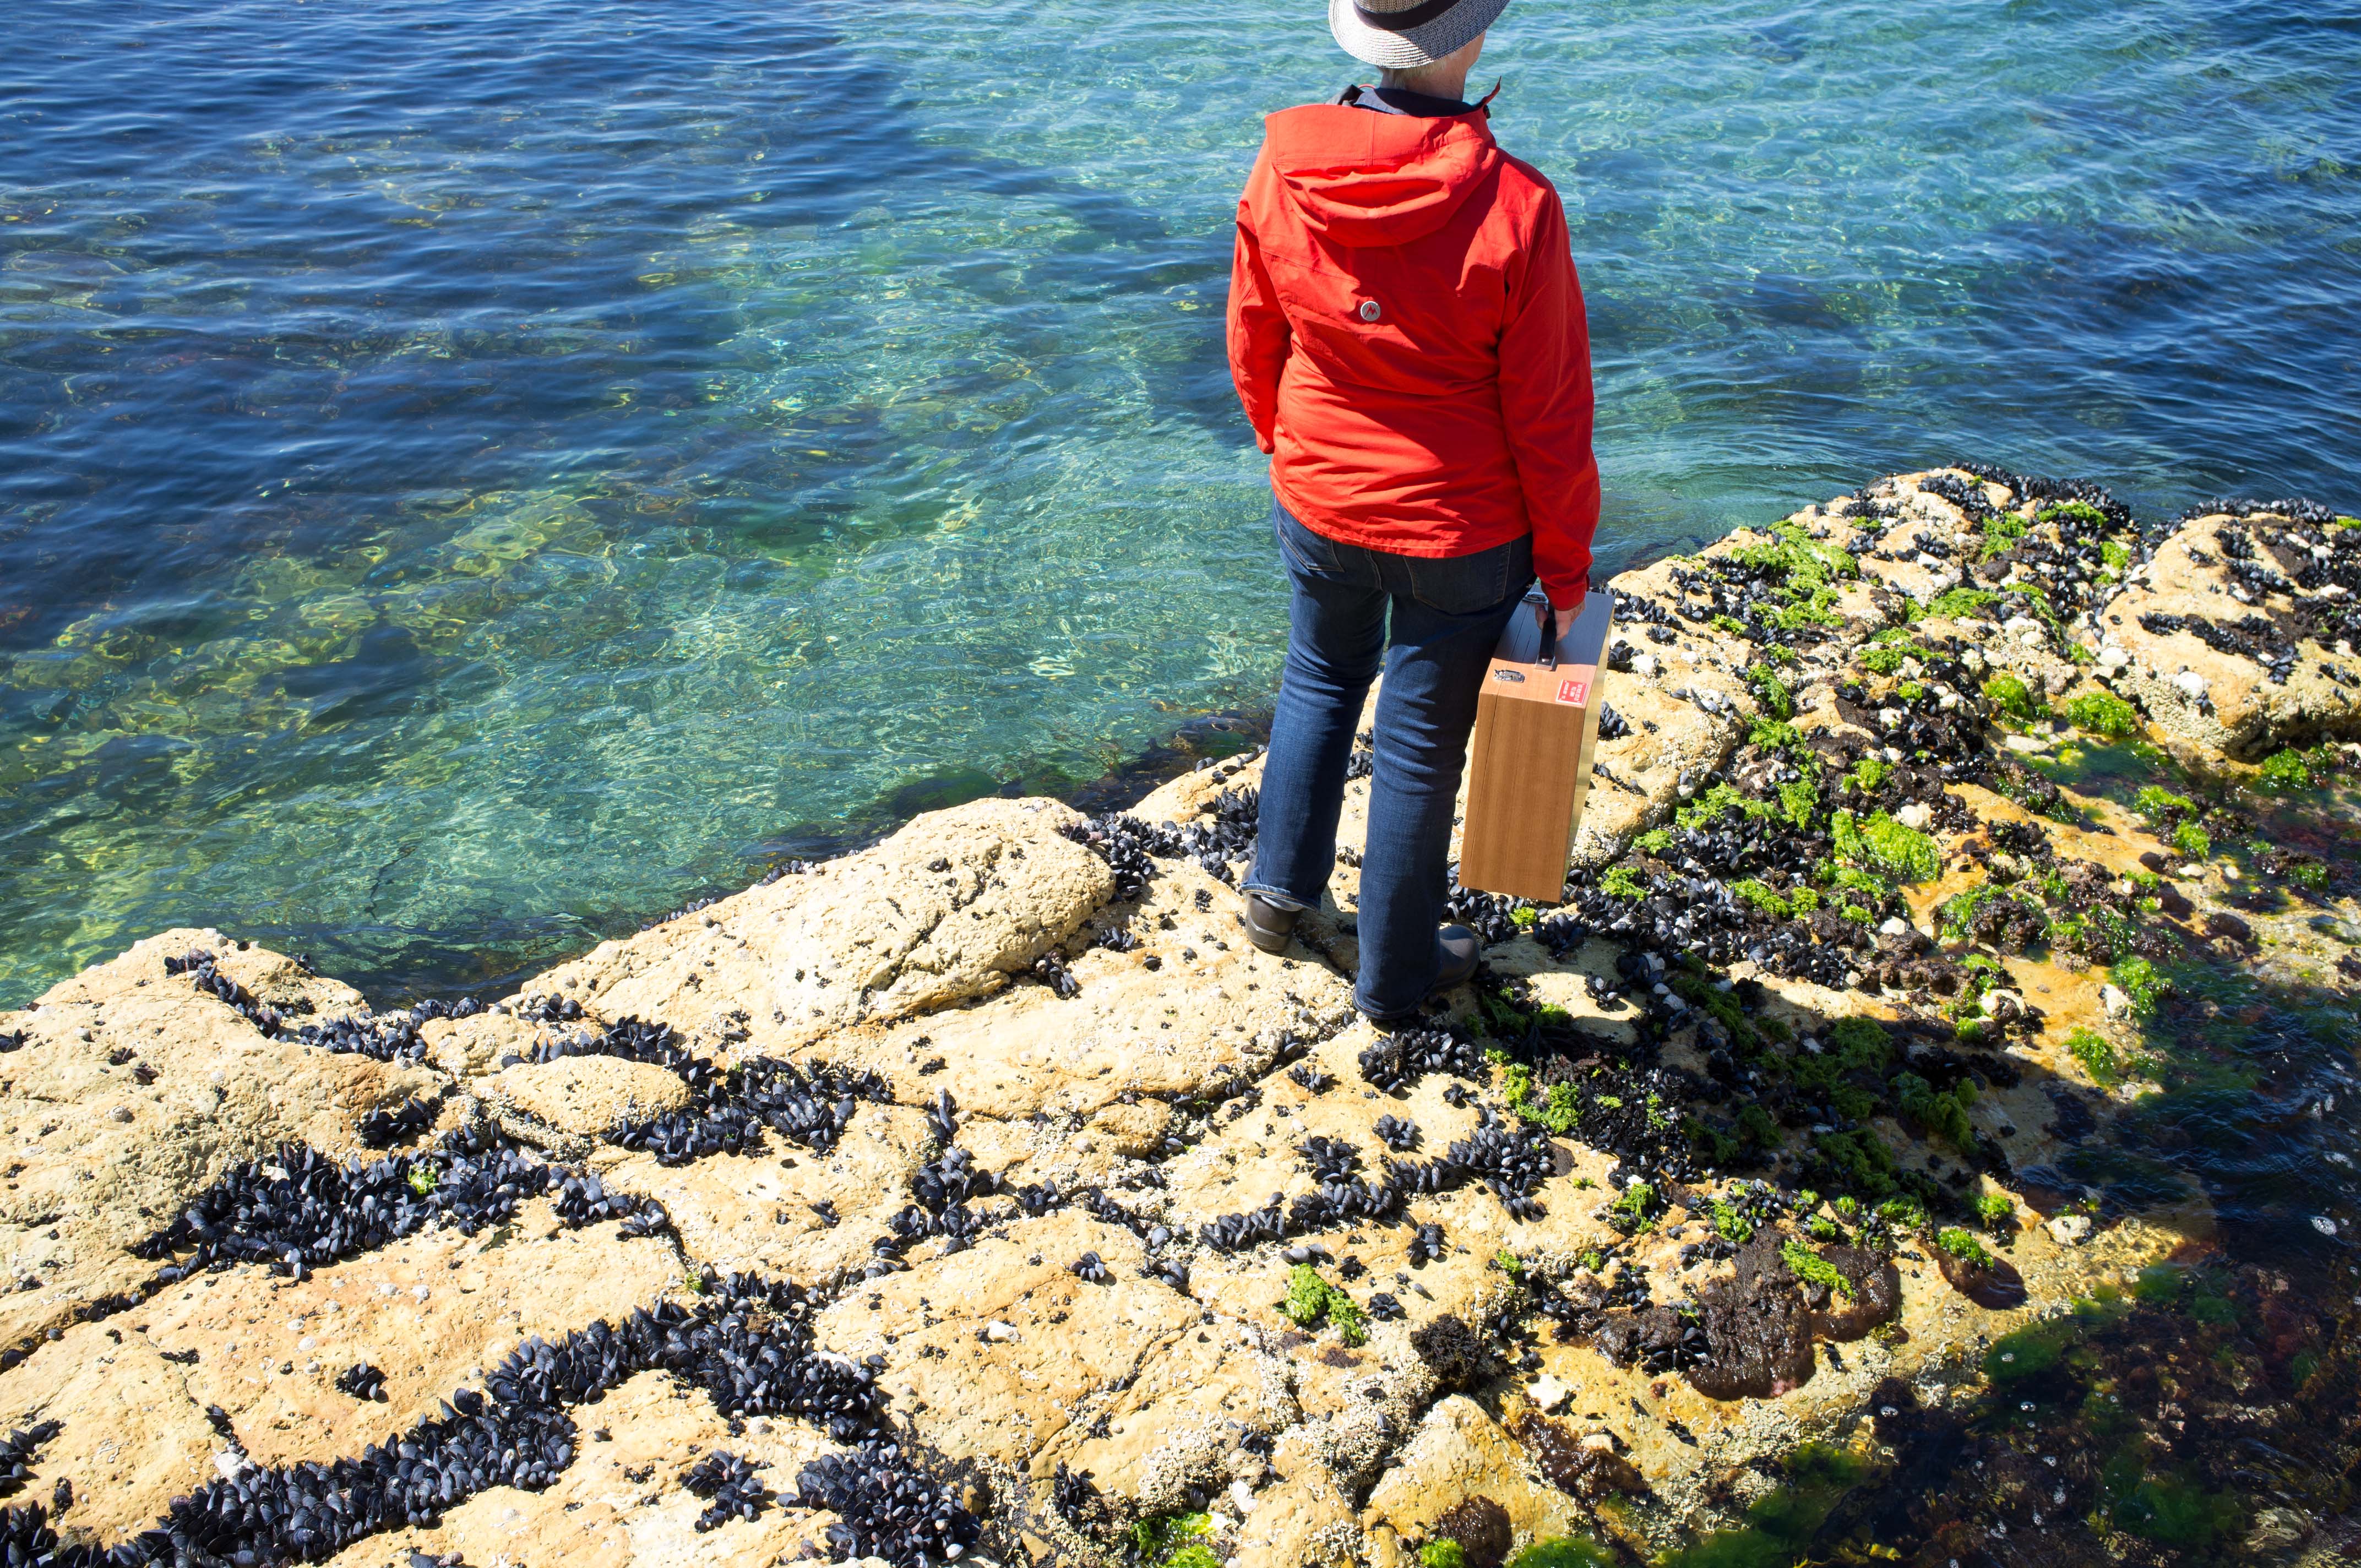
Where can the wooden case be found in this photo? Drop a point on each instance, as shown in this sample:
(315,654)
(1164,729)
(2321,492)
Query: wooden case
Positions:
(1536,728)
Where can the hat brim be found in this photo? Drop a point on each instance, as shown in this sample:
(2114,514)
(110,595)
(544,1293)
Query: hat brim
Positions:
(1419,46)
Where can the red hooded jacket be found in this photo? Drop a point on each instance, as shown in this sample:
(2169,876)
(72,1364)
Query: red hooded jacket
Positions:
(1406,332)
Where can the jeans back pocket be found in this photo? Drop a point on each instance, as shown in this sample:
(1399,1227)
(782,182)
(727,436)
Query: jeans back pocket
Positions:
(1465,585)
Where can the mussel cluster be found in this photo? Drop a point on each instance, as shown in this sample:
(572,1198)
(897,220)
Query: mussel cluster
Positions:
(363,1382)
(205,975)
(1330,1160)
(581,1198)
(1050,970)
(1131,847)
(731,1489)
(27,1539)
(383,1036)
(300,1209)
(747,1344)
(2251,637)
(536,1008)
(1402,1058)
(1235,1233)
(17,1452)
(1075,1494)
(886,1507)
(729,1107)
(1511,1163)
(383,1129)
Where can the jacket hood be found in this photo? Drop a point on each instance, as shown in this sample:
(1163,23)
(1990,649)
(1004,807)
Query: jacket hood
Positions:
(1361,179)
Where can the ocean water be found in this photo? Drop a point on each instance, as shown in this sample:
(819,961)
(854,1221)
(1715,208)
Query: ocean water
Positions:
(473,476)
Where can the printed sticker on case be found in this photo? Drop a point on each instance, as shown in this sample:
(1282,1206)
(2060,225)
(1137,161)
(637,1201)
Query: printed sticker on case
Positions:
(1574,692)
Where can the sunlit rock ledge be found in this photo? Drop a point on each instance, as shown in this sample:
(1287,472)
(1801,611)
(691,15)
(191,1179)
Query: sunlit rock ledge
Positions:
(1772,1134)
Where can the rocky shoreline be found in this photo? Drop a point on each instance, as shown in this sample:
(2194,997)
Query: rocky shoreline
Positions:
(983,1194)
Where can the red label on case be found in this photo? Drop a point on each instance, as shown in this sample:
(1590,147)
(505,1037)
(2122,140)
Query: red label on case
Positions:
(1574,692)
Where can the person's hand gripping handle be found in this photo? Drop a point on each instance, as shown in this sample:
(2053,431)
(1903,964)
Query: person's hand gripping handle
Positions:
(1554,625)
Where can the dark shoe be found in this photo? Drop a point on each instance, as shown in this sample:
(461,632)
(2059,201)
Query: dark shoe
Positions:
(1269,925)
(1456,950)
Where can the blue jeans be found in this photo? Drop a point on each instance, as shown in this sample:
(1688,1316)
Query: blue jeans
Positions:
(1446,618)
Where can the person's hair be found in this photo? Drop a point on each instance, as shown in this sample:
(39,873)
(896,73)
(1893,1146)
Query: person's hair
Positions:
(1410,78)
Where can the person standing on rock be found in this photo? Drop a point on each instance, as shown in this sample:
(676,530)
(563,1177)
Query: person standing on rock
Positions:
(1406,332)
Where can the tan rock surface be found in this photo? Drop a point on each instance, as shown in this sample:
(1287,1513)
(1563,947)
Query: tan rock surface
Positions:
(429,1312)
(1191,1002)
(100,1159)
(621,1500)
(944,911)
(1124,1380)
(756,1211)
(2217,701)
(584,1095)
(1458,1451)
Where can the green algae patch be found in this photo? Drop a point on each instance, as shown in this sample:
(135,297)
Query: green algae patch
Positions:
(1560,1551)
(1780,1528)
(2102,713)
(1173,1541)
(1942,1112)
(1311,1299)
(2097,1055)
(1771,691)
(1813,1269)
(2010,696)
(2286,773)
(2140,981)
(1880,842)
(1965,1245)
(1444,1553)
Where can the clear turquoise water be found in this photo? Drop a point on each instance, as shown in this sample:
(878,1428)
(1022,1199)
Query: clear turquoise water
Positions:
(471,477)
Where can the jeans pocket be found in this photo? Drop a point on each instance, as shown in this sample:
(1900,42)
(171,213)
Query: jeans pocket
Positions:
(1304,550)
(1465,585)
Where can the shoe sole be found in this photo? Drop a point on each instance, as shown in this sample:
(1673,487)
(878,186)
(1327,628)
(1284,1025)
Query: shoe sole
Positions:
(1266,939)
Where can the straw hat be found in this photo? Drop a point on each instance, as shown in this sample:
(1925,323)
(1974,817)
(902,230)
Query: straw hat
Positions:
(1406,33)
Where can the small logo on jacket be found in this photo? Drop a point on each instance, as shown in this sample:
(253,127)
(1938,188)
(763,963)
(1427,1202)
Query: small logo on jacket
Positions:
(1574,692)
(1368,310)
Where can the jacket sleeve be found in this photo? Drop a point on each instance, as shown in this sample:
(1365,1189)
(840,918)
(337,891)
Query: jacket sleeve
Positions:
(1546,405)
(1259,335)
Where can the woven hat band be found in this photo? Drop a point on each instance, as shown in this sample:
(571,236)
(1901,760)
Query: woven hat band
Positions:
(1404,21)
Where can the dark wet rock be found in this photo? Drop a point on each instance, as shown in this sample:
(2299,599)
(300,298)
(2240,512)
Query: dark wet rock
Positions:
(1451,1348)
(1875,1297)
(1657,1339)
(1757,1327)
(1587,1472)
(1482,1528)
(1993,1282)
